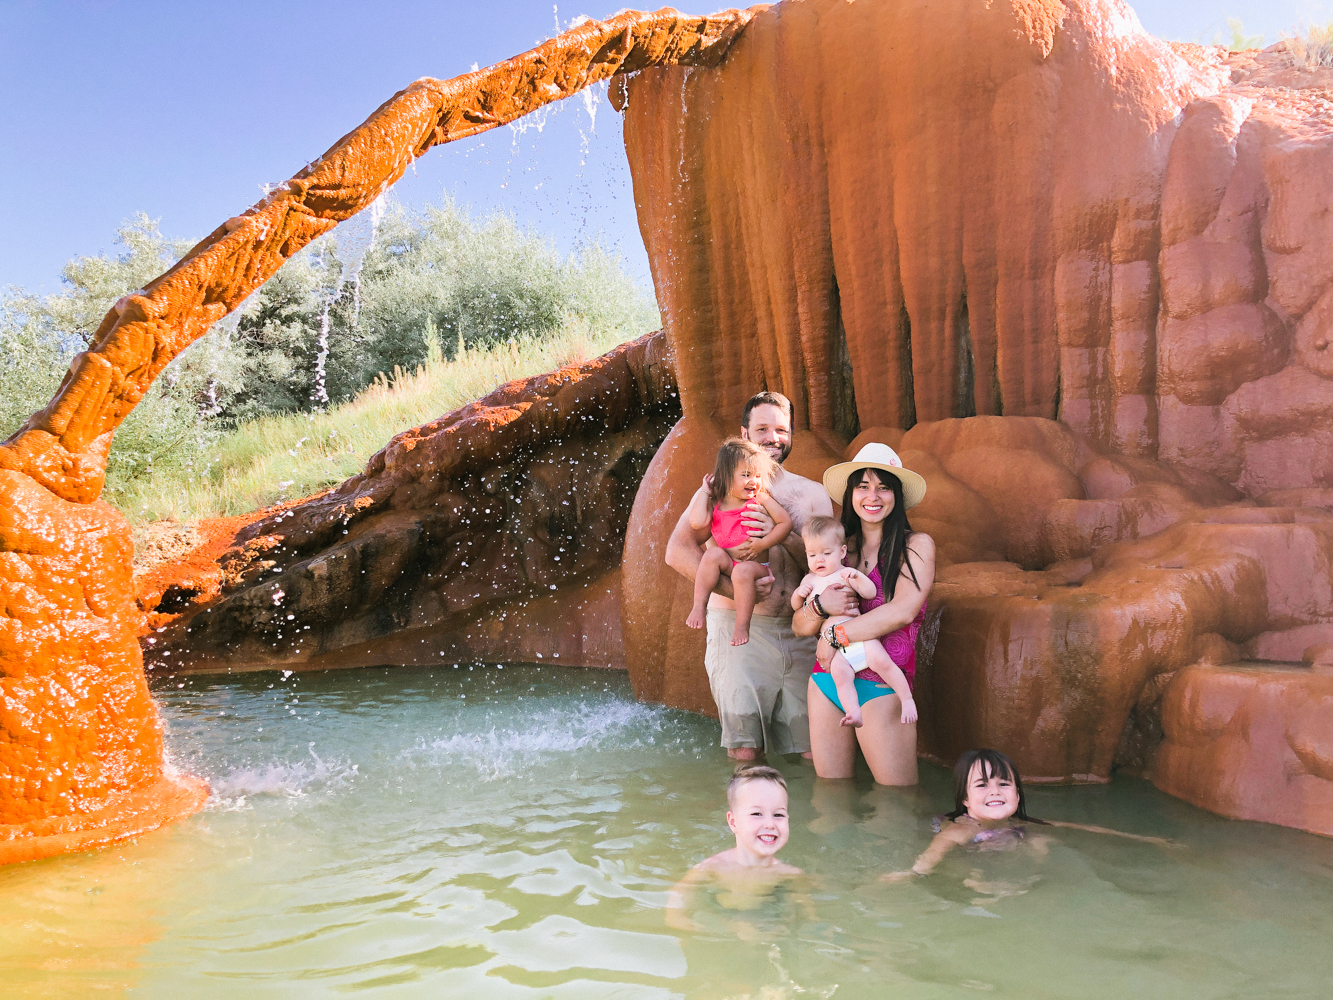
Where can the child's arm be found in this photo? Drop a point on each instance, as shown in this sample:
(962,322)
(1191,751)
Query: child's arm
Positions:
(1159,841)
(859,582)
(801,593)
(782,525)
(699,514)
(681,898)
(945,841)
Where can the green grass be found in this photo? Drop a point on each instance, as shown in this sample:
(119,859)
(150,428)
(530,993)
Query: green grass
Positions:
(277,458)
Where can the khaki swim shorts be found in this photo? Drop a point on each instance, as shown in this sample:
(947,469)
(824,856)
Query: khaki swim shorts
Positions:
(760,687)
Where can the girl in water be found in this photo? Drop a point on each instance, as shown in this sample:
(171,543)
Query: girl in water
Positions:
(990,811)
(739,481)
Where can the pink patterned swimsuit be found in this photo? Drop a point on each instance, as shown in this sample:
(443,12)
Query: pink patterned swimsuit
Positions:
(728,531)
(900,645)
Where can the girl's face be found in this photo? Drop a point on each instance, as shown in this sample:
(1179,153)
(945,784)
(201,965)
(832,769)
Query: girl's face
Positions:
(872,498)
(747,483)
(992,798)
(825,554)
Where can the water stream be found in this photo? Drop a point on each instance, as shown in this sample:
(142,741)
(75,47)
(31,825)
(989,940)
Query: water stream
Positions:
(512,832)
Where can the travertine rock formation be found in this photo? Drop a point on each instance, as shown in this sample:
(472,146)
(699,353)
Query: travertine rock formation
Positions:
(493,532)
(1090,273)
(1081,278)
(80,742)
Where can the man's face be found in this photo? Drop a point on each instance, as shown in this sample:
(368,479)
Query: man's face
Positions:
(770,429)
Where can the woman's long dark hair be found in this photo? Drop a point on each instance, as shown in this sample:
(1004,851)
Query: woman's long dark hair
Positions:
(993,764)
(893,546)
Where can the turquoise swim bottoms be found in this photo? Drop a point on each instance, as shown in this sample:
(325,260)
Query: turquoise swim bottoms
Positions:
(865,690)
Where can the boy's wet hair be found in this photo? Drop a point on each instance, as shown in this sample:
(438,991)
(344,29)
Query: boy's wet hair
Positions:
(817,527)
(993,764)
(734,454)
(752,772)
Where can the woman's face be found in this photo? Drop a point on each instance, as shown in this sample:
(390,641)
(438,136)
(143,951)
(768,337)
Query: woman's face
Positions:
(872,498)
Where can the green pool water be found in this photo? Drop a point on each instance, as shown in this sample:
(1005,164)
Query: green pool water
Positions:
(512,832)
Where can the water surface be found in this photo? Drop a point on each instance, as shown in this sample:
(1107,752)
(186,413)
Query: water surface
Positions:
(512,832)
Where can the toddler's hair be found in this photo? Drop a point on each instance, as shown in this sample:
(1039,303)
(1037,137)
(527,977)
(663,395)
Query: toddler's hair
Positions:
(993,765)
(819,526)
(753,772)
(734,454)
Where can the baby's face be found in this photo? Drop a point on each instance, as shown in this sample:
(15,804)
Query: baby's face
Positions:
(758,817)
(824,555)
(992,798)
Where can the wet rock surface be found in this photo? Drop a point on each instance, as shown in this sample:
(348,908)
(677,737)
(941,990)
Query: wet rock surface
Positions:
(462,538)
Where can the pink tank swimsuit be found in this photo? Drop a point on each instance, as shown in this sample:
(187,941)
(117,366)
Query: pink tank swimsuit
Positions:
(727,529)
(900,645)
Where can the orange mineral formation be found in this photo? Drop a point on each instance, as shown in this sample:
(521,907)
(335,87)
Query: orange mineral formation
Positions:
(81,759)
(1082,279)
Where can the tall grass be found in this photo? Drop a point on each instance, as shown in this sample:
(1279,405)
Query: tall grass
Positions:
(1313,47)
(279,457)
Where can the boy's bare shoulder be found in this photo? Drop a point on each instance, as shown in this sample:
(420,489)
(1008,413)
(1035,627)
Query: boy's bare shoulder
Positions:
(727,863)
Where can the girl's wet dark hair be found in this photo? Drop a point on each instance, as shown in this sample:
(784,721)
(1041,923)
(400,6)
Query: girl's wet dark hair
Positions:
(893,546)
(993,764)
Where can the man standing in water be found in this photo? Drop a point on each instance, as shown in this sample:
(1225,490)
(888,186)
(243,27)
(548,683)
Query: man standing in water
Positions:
(760,687)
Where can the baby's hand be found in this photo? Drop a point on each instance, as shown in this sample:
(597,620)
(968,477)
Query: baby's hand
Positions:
(708,482)
(897,877)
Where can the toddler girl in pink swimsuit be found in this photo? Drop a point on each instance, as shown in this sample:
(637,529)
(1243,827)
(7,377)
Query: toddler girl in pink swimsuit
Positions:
(739,482)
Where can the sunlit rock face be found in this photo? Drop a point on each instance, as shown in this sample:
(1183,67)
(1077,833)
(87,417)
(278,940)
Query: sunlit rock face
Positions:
(81,758)
(493,532)
(1081,279)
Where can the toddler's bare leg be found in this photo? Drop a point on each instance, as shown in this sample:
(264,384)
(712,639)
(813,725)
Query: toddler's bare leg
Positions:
(844,679)
(743,577)
(711,568)
(879,660)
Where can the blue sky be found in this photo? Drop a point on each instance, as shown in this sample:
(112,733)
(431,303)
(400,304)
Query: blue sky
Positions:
(185,110)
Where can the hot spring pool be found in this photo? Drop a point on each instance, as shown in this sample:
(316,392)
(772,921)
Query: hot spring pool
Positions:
(512,832)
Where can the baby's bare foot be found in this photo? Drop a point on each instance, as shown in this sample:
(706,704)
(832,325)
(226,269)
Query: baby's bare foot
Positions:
(852,719)
(740,637)
(696,618)
(909,712)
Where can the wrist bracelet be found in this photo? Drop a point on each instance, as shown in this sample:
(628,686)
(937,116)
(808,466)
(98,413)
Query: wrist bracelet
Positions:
(819,608)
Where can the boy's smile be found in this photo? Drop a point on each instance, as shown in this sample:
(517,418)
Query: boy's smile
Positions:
(758,817)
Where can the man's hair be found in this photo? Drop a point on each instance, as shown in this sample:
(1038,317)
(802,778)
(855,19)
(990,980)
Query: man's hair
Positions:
(737,453)
(752,772)
(819,526)
(767,399)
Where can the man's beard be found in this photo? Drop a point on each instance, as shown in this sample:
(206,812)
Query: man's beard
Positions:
(783,451)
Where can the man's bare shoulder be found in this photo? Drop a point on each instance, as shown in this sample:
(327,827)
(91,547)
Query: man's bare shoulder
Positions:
(796,493)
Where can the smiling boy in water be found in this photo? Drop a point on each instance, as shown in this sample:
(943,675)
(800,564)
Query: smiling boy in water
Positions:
(748,872)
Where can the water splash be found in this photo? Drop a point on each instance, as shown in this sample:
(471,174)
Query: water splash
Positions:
(232,791)
(503,753)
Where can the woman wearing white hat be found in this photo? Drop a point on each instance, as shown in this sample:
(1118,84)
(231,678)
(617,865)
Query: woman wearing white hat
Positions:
(875,492)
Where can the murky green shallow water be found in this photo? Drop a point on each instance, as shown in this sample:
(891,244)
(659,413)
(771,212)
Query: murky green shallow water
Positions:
(512,832)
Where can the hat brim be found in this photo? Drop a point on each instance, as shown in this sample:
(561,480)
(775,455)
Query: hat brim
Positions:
(836,476)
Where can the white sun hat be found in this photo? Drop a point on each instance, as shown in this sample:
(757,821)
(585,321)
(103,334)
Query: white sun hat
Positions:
(881,458)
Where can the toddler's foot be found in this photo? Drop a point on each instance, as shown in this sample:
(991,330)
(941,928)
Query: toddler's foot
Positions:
(740,637)
(852,718)
(909,712)
(696,618)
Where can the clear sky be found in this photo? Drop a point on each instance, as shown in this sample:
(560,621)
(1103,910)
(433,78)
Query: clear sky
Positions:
(185,109)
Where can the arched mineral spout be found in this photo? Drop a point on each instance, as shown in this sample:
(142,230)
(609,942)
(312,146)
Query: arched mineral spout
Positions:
(81,759)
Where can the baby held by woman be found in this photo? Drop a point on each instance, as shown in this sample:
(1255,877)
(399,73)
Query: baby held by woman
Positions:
(739,483)
(825,551)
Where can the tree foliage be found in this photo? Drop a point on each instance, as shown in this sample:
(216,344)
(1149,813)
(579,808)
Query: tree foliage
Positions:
(333,318)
